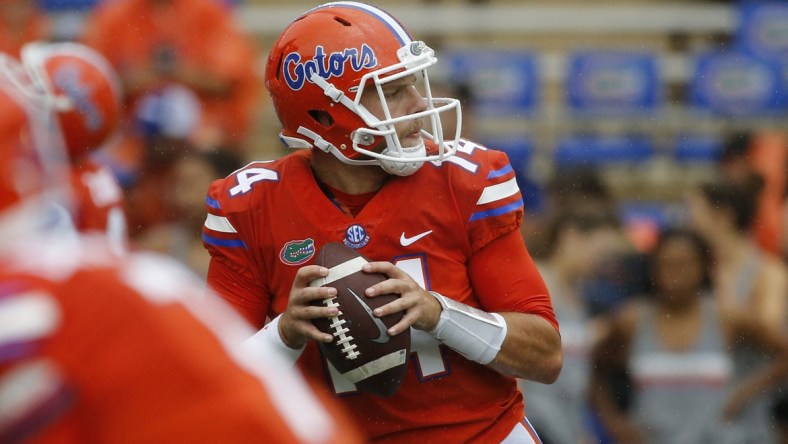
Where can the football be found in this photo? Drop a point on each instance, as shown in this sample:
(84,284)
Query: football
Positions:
(362,351)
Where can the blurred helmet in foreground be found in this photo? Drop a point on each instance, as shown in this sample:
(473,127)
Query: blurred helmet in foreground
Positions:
(81,87)
(33,168)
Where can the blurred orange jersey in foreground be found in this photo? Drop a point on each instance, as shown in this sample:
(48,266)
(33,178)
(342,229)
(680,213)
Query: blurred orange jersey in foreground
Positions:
(94,348)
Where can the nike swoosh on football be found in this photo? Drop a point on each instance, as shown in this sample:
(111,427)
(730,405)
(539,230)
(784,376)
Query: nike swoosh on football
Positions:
(405,241)
(383,337)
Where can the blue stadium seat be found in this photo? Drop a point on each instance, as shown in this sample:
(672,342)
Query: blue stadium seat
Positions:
(66,5)
(504,82)
(580,151)
(761,30)
(83,5)
(655,212)
(613,83)
(694,149)
(736,83)
(519,148)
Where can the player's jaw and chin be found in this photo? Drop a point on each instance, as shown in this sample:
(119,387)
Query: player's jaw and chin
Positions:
(409,131)
(409,134)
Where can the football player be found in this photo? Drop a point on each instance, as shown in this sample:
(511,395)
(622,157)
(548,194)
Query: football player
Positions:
(439,216)
(96,347)
(84,90)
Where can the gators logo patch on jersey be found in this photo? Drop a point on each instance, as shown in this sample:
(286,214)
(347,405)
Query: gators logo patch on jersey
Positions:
(296,252)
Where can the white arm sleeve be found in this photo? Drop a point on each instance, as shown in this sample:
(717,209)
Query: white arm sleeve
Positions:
(267,340)
(471,332)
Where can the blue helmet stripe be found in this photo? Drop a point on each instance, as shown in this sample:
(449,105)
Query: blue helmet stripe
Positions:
(394,26)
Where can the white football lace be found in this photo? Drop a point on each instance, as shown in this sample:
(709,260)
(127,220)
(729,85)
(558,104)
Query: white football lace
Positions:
(340,332)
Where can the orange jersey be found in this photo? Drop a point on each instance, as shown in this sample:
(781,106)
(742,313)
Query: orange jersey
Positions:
(99,203)
(269,218)
(99,349)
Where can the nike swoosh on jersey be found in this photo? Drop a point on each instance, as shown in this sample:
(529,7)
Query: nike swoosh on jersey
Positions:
(383,337)
(405,241)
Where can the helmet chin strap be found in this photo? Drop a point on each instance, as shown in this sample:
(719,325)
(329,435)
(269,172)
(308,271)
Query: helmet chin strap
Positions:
(395,167)
(401,167)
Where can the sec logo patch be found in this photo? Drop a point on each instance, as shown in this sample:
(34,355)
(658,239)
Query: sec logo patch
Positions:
(356,237)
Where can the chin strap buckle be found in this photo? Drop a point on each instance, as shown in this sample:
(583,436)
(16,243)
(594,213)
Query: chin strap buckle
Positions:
(328,88)
(318,142)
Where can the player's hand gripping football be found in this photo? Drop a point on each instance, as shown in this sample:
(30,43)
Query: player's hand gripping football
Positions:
(421,310)
(295,325)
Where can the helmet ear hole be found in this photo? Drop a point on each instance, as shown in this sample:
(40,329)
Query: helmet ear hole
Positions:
(279,68)
(321,117)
